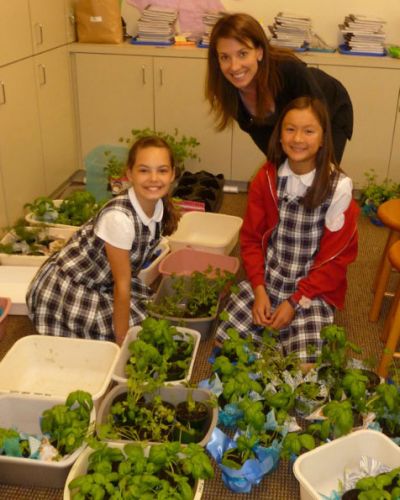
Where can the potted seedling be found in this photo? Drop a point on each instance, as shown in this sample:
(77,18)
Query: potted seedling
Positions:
(309,396)
(194,419)
(296,443)
(374,194)
(385,403)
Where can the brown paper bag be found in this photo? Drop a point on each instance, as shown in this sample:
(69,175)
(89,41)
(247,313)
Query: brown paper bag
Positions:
(98,21)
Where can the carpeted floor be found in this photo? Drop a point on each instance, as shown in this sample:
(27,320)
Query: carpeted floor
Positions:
(281,484)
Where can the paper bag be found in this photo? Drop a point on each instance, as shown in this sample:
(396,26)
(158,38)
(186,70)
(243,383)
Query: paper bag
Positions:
(98,21)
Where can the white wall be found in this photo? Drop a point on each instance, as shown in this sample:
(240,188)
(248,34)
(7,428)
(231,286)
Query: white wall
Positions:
(325,15)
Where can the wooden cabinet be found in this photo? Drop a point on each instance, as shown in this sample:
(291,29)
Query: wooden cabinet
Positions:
(15,31)
(179,104)
(114,95)
(56,113)
(374,93)
(21,160)
(48,22)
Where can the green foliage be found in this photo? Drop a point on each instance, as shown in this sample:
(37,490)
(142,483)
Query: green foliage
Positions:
(378,193)
(295,443)
(245,450)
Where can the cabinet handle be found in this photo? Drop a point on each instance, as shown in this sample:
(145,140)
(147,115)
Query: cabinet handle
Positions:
(161,76)
(144,75)
(42,74)
(39,34)
(3,93)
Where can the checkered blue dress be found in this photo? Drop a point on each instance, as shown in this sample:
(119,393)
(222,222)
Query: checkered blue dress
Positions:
(72,293)
(291,250)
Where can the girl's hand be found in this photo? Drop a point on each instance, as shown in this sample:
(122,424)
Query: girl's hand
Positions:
(262,307)
(282,316)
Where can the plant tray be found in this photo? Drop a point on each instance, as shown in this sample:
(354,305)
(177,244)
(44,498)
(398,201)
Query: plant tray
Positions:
(124,354)
(207,232)
(31,219)
(80,468)
(149,274)
(204,325)
(14,283)
(63,233)
(174,394)
(23,414)
(319,471)
(55,366)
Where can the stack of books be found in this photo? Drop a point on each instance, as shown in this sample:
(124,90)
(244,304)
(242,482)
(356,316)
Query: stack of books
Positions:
(209,19)
(291,30)
(156,26)
(363,34)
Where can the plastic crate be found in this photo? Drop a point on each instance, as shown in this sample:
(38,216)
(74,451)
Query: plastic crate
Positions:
(186,261)
(55,366)
(5,306)
(119,371)
(152,272)
(320,470)
(207,232)
(23,414)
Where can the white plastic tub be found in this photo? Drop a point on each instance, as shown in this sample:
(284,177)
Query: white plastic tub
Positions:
(23,414)
(124,354)
(14,283)
(55,366)
(206,231)
(62,233)
(320,470)
(151,273)
(80,468)
(32,220)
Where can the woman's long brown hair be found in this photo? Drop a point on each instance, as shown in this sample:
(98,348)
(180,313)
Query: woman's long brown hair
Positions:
(327,170)
(171,214)
(220,93)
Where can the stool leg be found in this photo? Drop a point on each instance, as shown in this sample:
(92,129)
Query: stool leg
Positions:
(381,262)
(383,279)
(389,319)
(391,345)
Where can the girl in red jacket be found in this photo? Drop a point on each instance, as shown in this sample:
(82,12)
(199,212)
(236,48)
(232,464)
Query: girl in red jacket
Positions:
(298,236)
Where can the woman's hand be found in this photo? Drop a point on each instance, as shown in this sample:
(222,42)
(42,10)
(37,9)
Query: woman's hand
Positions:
(282,316)
(262,307)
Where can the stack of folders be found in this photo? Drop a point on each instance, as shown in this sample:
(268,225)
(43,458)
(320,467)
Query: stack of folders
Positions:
(156,25)
(209,19)
(363,34)
(291,30)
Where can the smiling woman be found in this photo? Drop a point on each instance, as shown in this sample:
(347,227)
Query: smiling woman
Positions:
(251,82)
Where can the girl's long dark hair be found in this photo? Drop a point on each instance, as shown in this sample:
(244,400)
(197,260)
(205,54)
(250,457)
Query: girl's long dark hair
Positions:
(220,93)
(327,170)
(171,215)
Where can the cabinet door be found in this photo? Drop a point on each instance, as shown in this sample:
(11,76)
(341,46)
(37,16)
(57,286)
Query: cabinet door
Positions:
(246,157)
(3,210)
(48,24)
(20,146)
(394,164)
(373,92)
(15,31)
(180,104)
(53,81)
(114,95)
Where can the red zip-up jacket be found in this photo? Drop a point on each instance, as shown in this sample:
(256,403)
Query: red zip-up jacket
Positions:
(327,276)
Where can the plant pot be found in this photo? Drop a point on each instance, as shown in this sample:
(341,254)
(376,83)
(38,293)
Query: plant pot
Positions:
(173,395)
(351,494)
(197,422)
(119,374)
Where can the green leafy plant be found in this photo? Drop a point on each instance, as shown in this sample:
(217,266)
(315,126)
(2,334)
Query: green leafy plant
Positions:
(295,443)
(245,450)
(376,193)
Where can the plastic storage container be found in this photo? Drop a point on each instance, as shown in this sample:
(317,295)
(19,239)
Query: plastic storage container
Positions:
(124,354)
(186,261)
(14,282)
(174,394)
(62,233)
(23,414)
(80,468)
(152,272)
(206,231)
(5,306)
(204,326)
(320,470)
(31,219)
(55,366)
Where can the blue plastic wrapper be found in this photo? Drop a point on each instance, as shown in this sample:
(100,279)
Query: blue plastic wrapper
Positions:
(229,415)
(214,385)
(252,471)
(377,427)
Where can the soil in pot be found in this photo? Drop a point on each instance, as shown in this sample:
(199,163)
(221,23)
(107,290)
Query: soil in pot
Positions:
(351,494)
(373,379)
(196,420)
(175,372)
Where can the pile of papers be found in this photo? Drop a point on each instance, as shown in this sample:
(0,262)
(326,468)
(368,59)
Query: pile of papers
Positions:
(291,30)
(363,34)
(209,19)
(157,25)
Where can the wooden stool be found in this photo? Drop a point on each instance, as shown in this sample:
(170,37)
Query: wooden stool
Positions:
(389,213)
(392,324)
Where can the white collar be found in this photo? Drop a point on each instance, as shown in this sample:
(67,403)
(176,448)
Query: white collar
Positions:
(285,171)
(158,211)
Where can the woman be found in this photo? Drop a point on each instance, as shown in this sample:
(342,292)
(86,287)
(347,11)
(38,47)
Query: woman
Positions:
(251,82)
